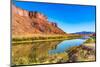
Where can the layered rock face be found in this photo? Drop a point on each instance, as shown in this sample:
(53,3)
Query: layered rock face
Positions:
(26,22)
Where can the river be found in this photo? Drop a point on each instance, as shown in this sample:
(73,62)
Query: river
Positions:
(64,45)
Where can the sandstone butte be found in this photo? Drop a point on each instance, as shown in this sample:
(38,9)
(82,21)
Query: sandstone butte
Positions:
(26,23)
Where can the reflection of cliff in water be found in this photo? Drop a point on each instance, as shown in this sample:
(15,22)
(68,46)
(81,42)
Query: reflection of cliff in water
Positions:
(32,53)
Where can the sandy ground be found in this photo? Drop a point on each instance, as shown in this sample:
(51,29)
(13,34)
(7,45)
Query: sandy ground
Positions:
(90,45)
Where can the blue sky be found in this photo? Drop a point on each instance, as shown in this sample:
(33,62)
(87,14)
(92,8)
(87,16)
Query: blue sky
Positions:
(70,18)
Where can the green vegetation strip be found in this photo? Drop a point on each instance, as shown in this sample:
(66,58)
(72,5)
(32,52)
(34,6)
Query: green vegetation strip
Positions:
(30,41)
(91,40)
(38,39)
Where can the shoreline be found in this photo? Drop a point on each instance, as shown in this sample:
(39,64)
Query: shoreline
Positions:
(42,38)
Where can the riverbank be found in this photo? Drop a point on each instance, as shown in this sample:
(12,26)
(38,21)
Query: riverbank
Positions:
(84,52)
(38,38)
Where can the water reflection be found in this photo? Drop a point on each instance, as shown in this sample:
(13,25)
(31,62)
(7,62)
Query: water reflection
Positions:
(32,53)
(42,52)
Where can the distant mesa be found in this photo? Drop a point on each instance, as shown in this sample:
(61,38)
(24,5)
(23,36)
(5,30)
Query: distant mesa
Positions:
(32,22)
(85,33)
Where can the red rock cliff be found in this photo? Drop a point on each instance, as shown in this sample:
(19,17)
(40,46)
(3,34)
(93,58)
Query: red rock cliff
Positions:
(27,22)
